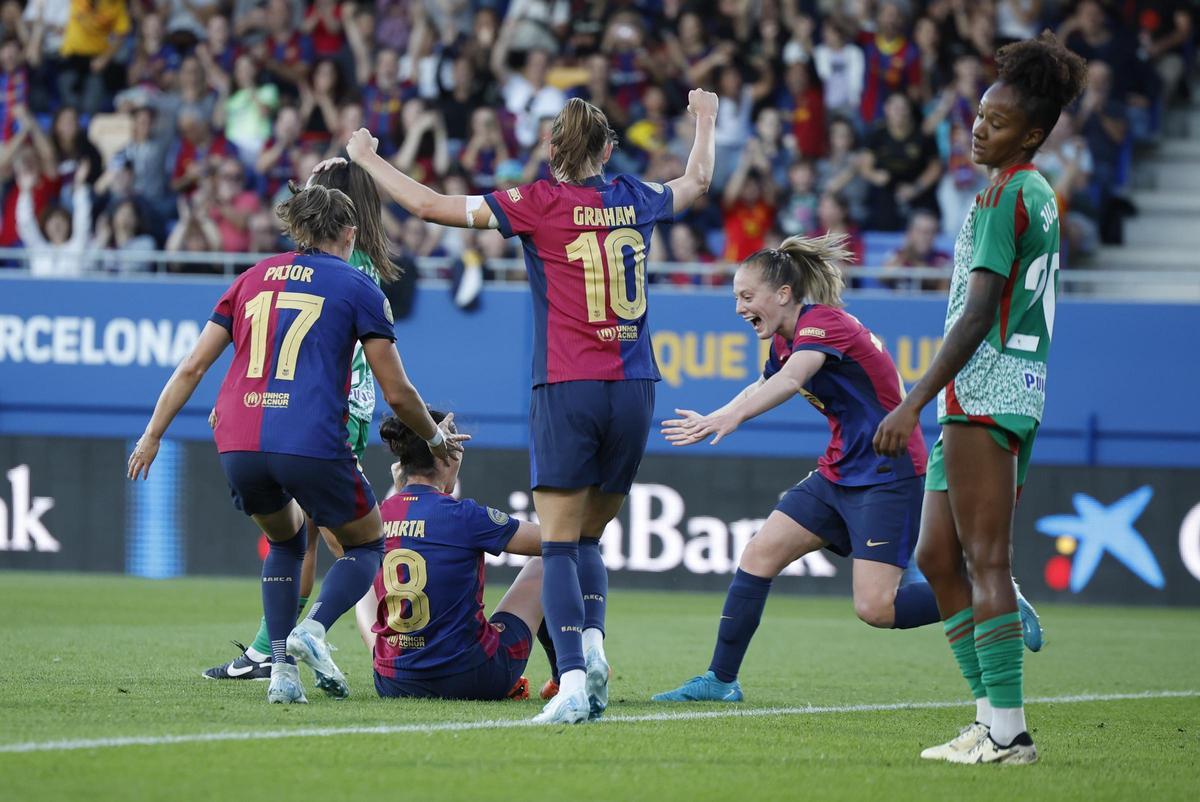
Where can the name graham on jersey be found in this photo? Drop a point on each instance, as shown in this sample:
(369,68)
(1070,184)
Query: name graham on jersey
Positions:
(608,218)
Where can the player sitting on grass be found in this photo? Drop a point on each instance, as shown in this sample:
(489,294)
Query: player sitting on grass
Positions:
(431,636)
(856,504)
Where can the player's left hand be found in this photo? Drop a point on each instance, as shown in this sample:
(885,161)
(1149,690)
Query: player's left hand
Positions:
(693,427)
(143,455)
(328,164)
(891,438)
(451,448)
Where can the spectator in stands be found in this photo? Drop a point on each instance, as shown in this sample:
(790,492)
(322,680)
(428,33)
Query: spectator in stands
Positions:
(484,150)
(737,101)
(264,234)
(194,233)
(146,157)
(748,204)
(247,111)
(798,214)
(1066,162)
(597,90)
(692,55)
(934,72)
(1164,34)
(57,244)
(46,21)
(526,94)
(195,90)
(950,121)
(318,105)
(803,107)
(425,152)
(95,32)
(840,65)
(1017,19)
(840,173)
(276,164)
(893,63)
(902,165)
(120,230)
(14,85)
(833,217)
(186,19)
(1103,122)
(196,153)
(153,58)
(323,25)
(630,65)
(116,185)
(919,249)
(287,52)
(684,244)
(233,205)
(218,52)
(65,149)
(382,100)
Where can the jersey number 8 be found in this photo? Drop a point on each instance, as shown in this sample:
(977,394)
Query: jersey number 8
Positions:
(412,590)
(586,249)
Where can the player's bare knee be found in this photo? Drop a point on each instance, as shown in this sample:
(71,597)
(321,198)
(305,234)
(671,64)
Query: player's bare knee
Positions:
(876,609)
(937,564)
(760,559)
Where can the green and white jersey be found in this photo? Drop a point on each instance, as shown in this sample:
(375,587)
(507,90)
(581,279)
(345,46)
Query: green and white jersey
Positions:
(1012,229)
(362,382)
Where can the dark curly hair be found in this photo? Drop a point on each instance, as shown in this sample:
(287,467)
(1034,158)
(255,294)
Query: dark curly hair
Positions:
(407,445)
(1045,75)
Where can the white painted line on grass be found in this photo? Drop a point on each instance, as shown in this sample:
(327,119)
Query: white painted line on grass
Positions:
(505,724)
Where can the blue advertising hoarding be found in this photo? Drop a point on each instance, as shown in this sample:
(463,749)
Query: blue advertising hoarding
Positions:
(88,358)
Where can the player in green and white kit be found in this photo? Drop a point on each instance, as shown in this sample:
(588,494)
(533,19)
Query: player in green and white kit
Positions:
(371,256)
(990,380)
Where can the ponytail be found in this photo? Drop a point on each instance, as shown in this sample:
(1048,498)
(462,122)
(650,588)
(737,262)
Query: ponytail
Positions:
(579,135)
(316,216)
(809,265)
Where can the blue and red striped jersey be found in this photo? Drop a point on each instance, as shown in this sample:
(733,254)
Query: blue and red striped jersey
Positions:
(294,319)
(856,387)
(430,620)
(585,249)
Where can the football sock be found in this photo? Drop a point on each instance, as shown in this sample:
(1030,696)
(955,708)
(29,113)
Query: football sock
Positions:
(983,711)
(960,632)
(593,583)
(260,647)
(572,682)
(562,602)
(1001,653)
(915,606)
(347,581)
(543,636)
(743,610)
(281,590)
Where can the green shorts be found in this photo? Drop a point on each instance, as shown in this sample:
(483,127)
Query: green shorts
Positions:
(359,430)
(1014,433)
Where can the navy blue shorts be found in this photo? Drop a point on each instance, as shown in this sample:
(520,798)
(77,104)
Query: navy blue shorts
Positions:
(584,433)
(332,491)
(876,522)
(488,682)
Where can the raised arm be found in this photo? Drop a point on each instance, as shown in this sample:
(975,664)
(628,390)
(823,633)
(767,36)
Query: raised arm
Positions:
(460,211)
(760,397)
(696,178)
(179,388)
(984,289)
(406,402)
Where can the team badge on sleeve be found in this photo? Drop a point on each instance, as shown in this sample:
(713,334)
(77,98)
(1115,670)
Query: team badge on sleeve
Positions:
(514,195)
(387,311)
(654,186)
(498,518)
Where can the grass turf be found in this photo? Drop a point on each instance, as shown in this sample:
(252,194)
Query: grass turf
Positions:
(106,657)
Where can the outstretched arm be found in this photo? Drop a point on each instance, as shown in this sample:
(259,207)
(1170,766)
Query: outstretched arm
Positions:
(984,289)
(760,397)
(179,388)
(461,211)
(694,182)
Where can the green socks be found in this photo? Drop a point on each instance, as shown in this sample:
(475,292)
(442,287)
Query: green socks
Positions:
(262,643)
(960,631)
(1001,655)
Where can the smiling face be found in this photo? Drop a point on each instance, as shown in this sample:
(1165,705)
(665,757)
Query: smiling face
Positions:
(765,309)
(1001,135)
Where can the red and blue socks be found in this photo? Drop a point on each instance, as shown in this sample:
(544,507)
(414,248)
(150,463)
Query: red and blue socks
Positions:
(743,610)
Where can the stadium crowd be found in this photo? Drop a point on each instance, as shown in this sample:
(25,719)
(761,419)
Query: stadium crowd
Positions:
(139,125)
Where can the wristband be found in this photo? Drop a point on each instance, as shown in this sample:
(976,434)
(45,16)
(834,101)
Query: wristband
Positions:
(437,439)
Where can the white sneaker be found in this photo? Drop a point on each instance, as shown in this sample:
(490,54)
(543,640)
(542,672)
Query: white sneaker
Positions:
(961,744)
(307,644)
(1020,752)
(285,687)
(564,709)
(597,683)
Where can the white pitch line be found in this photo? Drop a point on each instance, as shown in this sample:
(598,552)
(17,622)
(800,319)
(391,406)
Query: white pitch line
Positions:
(505,724)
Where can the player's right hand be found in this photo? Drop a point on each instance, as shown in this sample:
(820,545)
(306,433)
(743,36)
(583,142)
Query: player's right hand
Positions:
(212,418)
(702,103)
(361,145)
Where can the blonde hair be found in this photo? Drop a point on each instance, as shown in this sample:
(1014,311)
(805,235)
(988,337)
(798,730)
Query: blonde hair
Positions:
(809,265)
(316,215)
(579,135)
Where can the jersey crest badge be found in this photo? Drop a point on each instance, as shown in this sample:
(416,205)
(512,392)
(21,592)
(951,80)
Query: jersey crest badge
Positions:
(514,195)
(654,186)
(387,311)
(498,518)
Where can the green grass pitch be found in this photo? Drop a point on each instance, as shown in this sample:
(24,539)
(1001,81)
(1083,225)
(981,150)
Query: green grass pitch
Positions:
(95,658)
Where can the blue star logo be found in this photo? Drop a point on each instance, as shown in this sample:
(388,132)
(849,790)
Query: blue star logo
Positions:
(1098,529)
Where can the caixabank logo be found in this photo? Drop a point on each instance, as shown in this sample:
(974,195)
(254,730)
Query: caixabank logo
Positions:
(1082,540)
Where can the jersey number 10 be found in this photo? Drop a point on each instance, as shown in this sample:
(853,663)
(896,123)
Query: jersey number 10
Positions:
(611,261)
(258,309)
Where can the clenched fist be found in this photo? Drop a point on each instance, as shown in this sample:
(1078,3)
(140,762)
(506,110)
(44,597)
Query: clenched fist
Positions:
(702,103)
